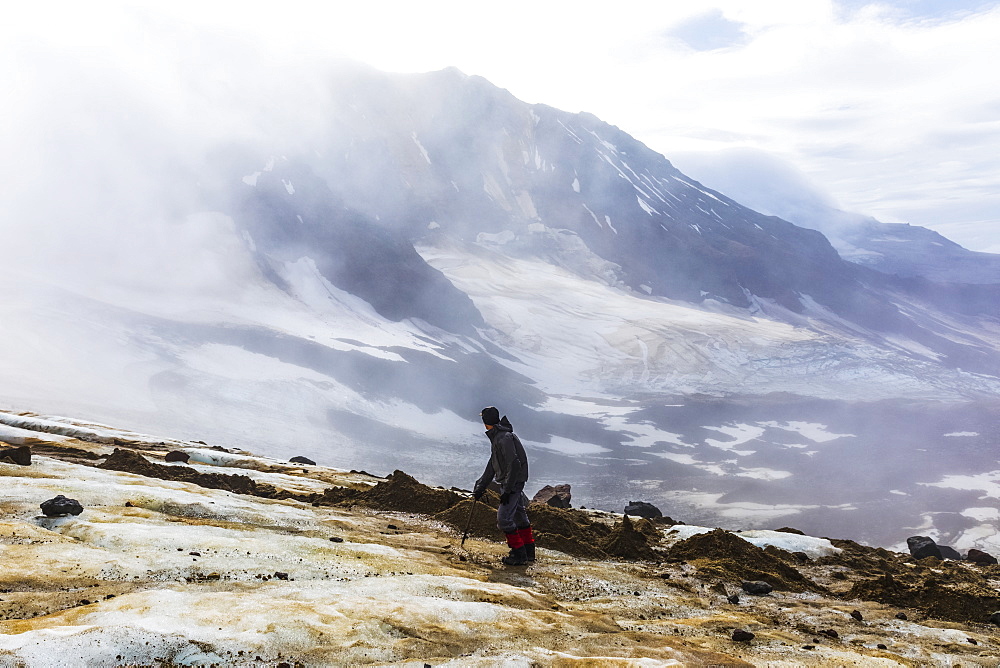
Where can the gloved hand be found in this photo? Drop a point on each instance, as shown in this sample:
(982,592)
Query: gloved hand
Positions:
(478,493)
(505,497)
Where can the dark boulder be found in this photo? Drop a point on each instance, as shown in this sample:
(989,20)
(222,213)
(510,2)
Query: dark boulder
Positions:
(557,497)
(302,460)
(980,557)
(949,553)
(20,456)
(60,506)
(856,614)
(995,618)
(757,588)
(741,635)
(177,456)
(643,509)
(922,547)
(790,530)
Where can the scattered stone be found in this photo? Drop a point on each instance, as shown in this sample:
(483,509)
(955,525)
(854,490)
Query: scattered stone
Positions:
(973,641)
(643,509)
(809,647)
(902,616)
(557,497)
(881,646)
(393,527)
(980,557)
(829,633)
(336,539)
(922,547)
(302,460)
(734,599)
(20,456)
(757,588)
(740,635)
(856,614)
(281,576)
(949,553)
(790,530)
(177,456)
(195,554)
(60,506)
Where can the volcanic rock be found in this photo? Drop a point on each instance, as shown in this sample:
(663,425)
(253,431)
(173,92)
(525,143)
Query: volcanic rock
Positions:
(980,557)
(177,456)
(922,547)
(856,614)
(949,553)
(740,635)
(557,497)
(643,509)
(302,460)
(60,506)
(20,456)
(757,588)
(790,530)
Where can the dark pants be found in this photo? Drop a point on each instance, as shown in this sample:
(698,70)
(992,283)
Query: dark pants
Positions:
(512,515)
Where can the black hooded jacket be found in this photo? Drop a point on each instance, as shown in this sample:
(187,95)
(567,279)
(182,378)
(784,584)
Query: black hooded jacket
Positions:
(508,464)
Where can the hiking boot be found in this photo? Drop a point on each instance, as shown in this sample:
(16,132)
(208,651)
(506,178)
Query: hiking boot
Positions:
(529,551)
(517,557)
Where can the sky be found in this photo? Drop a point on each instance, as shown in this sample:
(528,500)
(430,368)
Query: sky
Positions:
(890,109)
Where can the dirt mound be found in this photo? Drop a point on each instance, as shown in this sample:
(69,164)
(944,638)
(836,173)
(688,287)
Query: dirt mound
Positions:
(870,561)
(723,555)
(628,542)
(402,492)
(132,462)
(566,530)
(955,597)
(399,492)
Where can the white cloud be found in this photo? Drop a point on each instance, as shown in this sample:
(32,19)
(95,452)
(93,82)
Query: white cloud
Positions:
(891,107)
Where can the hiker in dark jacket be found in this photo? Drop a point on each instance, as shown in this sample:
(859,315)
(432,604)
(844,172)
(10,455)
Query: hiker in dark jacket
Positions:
(508,465)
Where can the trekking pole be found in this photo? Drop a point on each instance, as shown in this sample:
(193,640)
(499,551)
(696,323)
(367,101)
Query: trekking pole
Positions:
(465,534)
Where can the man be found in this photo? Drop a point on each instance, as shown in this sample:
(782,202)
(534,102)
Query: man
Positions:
(508,465)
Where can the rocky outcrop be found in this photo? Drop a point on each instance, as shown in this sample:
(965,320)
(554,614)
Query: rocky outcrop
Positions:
(557,496)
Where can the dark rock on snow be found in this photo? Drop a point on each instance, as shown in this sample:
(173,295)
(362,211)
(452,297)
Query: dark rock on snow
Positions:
(980,557)
(60,505)
(302,460)
(734,599)
(949,553)
(177,456)
(856,614)
(757,588)
(902,616)
(922,547)
(20,456)
(557,497)
(643,509)
(790,530)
